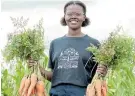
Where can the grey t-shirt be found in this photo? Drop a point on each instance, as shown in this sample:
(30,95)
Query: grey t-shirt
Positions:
(68,58)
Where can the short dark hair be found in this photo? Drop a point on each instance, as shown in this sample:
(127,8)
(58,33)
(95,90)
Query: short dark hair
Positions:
(86,22)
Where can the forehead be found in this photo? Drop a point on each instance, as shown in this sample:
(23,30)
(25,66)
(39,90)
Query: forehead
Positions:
(74,8)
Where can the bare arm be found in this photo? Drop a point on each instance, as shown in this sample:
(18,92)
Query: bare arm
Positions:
(46,74)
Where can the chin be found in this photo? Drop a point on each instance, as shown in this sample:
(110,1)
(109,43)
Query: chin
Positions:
(74,27)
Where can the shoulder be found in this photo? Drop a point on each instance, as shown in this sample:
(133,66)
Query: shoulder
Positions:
(93,40)
(57,40)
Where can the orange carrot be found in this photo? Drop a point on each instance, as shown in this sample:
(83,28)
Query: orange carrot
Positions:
(104,88)
(40,94)
(105,85)
(40,88)
(22,84)
(103,91)
(25,93)
(90,91)
(26,86)
(33,91)
(33,83)
(98,85)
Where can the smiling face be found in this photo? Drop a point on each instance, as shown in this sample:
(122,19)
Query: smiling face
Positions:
(74,16)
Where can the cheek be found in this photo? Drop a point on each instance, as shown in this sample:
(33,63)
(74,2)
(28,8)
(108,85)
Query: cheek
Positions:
(66,19)
(81,19)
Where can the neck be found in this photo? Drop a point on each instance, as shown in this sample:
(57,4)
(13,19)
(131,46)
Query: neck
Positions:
(75,33)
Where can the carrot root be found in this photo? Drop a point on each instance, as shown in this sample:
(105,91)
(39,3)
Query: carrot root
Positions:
(90,91)
(22,84)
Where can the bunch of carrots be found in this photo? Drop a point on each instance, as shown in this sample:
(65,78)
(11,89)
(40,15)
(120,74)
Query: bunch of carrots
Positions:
(23,44)
(98,87)
(117,49)
(32,84)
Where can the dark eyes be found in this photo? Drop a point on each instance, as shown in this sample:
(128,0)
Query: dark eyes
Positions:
(74,14)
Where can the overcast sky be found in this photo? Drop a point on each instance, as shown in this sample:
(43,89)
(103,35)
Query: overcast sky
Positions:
(105,15)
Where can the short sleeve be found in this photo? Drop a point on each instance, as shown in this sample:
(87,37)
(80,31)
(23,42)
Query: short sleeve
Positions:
(50,63)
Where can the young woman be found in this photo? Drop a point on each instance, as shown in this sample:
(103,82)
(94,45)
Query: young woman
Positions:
(72,66)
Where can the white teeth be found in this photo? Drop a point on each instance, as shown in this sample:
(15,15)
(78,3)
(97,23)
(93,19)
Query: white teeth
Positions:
(73,21)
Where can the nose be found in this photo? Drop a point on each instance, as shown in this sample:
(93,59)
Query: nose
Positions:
(73,17)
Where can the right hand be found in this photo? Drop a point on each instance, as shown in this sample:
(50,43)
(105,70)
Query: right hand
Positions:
(31,62)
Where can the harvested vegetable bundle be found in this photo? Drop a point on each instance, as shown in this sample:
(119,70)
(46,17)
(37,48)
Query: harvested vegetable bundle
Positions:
(25,45)
(116,50)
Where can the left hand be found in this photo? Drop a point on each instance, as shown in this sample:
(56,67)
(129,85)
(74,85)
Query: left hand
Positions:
(102,69)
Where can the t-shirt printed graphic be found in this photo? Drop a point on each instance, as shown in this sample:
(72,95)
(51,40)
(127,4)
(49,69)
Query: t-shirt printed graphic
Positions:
(68,59)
